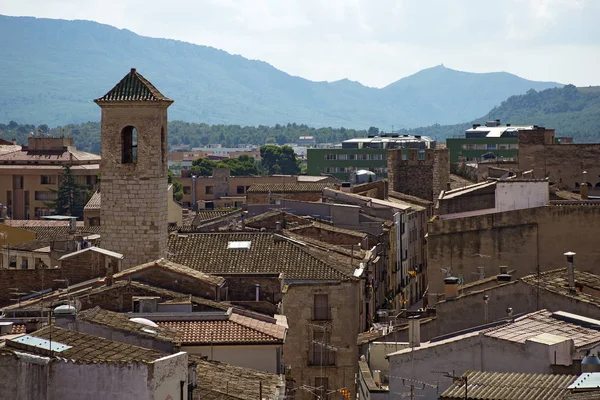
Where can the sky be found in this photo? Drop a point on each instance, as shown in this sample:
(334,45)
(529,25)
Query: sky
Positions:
(374,42)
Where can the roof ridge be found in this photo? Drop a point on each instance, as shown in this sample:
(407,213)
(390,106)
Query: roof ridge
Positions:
(133,87)
(240,320)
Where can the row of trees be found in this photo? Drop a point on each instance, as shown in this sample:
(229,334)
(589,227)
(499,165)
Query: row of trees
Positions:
(274,160)
(87,135)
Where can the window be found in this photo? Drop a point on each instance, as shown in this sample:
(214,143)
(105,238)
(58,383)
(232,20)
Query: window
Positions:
(45,195)
(48,180)
(240,190)
(208,190)
(17,182)
(514,146)
(421,155)
(187,189)
(492,146)
(502,147)
(470,147)
(481,146)
(321,307)
(24,263)
(342,156)
(129,144)
(322,350)
(12,262)
(321,388)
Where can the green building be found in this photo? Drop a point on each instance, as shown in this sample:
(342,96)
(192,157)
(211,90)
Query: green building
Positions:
(489,142)
(361,154)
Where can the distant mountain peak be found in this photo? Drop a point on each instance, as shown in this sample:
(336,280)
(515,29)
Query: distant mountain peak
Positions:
(84,59)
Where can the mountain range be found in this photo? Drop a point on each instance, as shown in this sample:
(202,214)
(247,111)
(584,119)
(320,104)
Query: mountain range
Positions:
(53,69)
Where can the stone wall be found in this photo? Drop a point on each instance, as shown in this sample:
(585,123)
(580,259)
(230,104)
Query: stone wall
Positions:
(563,164)
(480,199)
(177,282)
(87,266)
(343,330)
(521,239)
(134,196)
(243,288)
(424,178)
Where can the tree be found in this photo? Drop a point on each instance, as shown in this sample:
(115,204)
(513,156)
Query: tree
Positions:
(279,160)
(373,131)
(203,167)
(177,187)
(241,166)
(71,196)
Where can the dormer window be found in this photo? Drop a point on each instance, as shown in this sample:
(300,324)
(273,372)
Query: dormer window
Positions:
(129,148)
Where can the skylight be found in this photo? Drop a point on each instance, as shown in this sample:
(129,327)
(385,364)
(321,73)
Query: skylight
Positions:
(239,245)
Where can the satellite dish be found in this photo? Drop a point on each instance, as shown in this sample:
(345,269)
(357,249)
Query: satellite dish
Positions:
(144,321)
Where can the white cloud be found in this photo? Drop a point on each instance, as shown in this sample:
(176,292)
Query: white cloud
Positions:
(373,42)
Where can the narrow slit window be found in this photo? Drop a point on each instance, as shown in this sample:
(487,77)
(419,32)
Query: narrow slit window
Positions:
(129,145)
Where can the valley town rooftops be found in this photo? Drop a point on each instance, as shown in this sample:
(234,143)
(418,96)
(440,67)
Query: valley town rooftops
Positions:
(83,348)
(123,323)
(485,385)
(229,328)
(133,87)
(587,285)
(267,254)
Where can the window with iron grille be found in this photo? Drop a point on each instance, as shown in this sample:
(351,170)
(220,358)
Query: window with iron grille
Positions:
(321,307)
(322,353)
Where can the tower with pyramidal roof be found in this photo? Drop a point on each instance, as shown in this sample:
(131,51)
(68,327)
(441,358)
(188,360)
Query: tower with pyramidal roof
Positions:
(133,214)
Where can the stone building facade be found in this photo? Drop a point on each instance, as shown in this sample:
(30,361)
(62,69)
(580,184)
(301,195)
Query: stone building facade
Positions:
(562,164)
(422,173)
(521,239)
(335,324)
(134,170)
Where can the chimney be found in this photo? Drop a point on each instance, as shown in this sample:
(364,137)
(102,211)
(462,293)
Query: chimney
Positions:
(278,226)
(503,276)
(450,287)
(14,141)
(570,270)
(257,292)
(72,224)
(414,331)
(32,325)
(448,186)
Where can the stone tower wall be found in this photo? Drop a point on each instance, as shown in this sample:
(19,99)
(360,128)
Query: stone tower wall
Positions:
(134,196)
(422,178)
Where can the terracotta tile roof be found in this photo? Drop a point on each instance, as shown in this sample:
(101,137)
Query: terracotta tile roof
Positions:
(122,322)
(267,253)
(171,267)
(94,202)
(557,281)
(33,223)
(543,322)
(87,348)
(292,187)
(222,381)
(133,87)
(46,157)
(207,215)
(484,385)
(236,329)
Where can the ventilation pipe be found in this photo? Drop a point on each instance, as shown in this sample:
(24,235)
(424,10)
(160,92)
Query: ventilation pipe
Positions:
(584,190)
(257,295)
(570,270)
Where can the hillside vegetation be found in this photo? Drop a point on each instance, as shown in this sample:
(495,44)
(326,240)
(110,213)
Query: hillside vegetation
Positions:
(53,69)
(570,110)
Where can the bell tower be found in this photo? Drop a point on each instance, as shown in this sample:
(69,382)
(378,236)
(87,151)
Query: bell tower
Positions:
(133,213)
